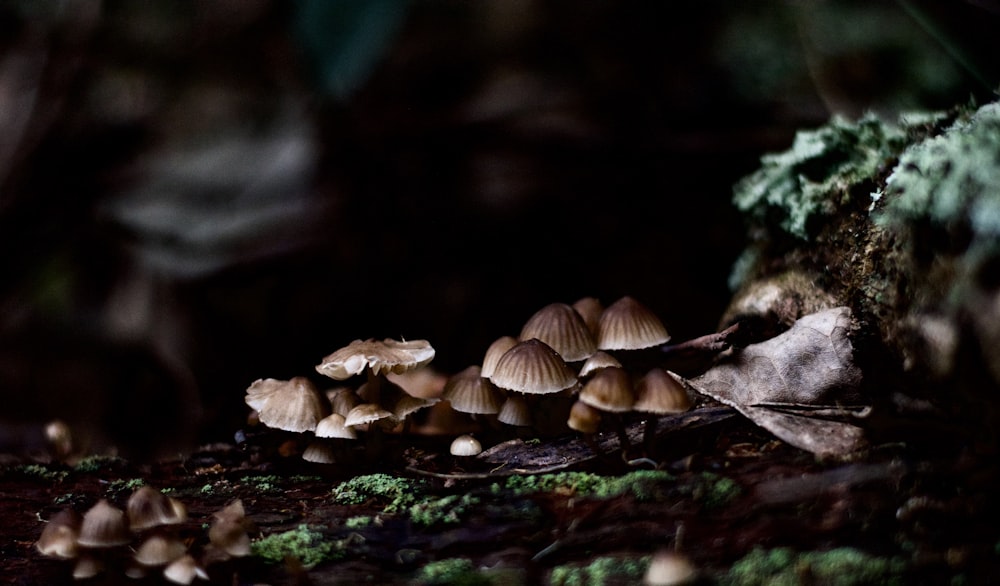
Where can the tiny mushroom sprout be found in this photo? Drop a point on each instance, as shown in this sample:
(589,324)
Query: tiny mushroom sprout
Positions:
(667,568)
(627,324)
(563,329)
(532,368)
(658,392)
(465,446)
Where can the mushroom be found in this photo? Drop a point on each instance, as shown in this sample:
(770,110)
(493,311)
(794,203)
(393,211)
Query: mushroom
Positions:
(563,329)
(228,531)
(590,310)
(515,411)
(597,361)
(104,526)
(465,446)
(658,392)
(493,353)
(610,390)
(159,550)
(58,538)
(534,369)
(470,392)
(148,507)
(586,420)
(184,570)
(627,324)
(295,405)
(667,568)
(331,433)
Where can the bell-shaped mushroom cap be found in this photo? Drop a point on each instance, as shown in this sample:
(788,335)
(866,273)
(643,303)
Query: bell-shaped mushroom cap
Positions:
(87,566)
(469,392)
(597,361)
(385,356)
(184,570)
(659,392)
(319,453)
(228,530)
(533,367)
(104,525)
(610,389)
(515,411)
(367,413)
(335,426)
(563,329)
(584,418)
(159,550)
(294,405)
(58,538)
(465,445)
(667,568)
(590,310)
(493,354)
(148,507)
(392,398)
(343,399)
(627,324)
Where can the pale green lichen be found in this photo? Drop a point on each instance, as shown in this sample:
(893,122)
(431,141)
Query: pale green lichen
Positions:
(359,522)
(447,509)
(843,566)
(398,493)
(644,485)
(303,543)
(603,570)
(451,572)
(818,174)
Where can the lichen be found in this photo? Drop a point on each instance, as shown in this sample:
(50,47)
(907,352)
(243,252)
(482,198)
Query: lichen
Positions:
(843,566)
(603,570)
(644,485)
(304,543)
(818,174)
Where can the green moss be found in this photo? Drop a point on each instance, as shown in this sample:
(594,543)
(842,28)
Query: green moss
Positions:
(451,571)
(642,484)
(359,522)
(838,567)
(448,509)
(818,175)
(303,543)
(121,485)
(713,490)
(43,472)
(97,463)
(601,571)
(398,493)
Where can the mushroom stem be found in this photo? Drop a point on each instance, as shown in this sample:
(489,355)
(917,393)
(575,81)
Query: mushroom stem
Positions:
(623,440)
(374,386)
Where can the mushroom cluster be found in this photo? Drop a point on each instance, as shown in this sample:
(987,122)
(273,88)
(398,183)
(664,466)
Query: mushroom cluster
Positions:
(331,420)
(571,365)
(142,538)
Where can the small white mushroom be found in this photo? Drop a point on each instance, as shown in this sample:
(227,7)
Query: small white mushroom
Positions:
(466,445)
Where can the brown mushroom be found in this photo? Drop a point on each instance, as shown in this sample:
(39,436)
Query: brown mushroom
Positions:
(610,390)
(58,538)
(295,405)
(184,570)
(627,324)
(493,353)
(563,329)
(532,367)
(590,309)
(658,392)
(159,550)
(148,507)
(376,357)
(587,421)
(104,525)
(469,392)
(228,531)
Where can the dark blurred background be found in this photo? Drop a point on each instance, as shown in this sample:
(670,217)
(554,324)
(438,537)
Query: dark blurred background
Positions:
(194,195)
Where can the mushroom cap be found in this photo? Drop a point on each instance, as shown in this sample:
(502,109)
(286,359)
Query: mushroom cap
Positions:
(319,453)
(335,426)
(58,538)
(104,525)
(228,530)
(597,361)
(393,398)
(659,392)
(343,399)
(294,405)
(515,411)
(465,445)
(563,329)
(533,367)
(584,418)
(380,356)
(667,568)
(469,392)
(610,389)
(87,566)
(159,550)
(148,507)
(590,309)
(184,570)
(627,324)
(367,413)
(494,352)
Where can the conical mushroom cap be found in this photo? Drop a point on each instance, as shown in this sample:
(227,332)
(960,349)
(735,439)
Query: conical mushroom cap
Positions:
(104,525)
(533,367)
(319,453)
(597,361)
(228,530)
(344,399)
(627,324)
(515,411)
(159,550)
(497,349)
(610,389)
(659,392)
(58,538)
(469,392)
(563,329)
(148,507)
(295,405)
(392,398)
(584,418)
(335,426)
(590,310)
(381,357)
(184,570)
(367,413)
